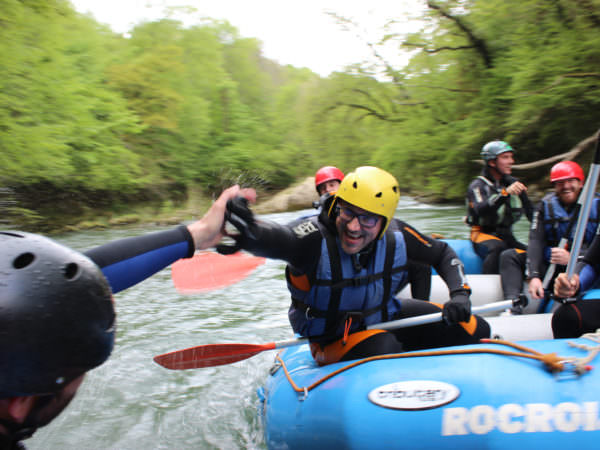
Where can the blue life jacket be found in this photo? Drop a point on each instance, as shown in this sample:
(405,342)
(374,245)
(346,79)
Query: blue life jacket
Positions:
(556,221)
(336,291)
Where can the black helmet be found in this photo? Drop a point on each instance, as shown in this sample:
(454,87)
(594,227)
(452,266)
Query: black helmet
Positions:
(57,318)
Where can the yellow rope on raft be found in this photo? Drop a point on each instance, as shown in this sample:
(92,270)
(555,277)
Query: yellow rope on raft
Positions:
(552,361)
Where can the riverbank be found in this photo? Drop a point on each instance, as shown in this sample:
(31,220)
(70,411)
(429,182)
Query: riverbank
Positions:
(74,214)
(49,213)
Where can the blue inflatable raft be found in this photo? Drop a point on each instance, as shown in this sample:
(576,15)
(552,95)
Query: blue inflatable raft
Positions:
(455,400)
(465,397)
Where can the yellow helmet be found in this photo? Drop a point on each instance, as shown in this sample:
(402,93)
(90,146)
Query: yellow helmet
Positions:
(371,189)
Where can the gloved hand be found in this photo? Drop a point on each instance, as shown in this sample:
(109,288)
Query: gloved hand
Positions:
(458,309)
(238,214)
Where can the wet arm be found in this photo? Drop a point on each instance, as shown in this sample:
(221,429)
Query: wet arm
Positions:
(438,254)
(128,261)
(481,203)
(298,244)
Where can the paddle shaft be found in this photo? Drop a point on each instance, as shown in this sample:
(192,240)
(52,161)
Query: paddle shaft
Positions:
(218,354)
(412,321)
(585,210)
(437,317)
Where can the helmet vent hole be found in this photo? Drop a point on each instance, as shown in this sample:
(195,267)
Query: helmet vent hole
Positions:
(395,188)
(378,195)
(23,260)
(355,185)
(71,271)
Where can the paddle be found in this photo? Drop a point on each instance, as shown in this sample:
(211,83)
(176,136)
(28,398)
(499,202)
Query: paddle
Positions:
(218,354)
(584,213)
(585,210)
(210,270)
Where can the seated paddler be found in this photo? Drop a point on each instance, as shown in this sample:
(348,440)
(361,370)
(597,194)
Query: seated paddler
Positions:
(344,267)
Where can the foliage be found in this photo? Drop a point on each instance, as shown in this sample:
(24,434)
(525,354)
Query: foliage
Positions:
(152,114)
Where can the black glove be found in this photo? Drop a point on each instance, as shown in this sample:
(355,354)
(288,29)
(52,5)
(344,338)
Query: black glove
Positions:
(458,309)
(238,214)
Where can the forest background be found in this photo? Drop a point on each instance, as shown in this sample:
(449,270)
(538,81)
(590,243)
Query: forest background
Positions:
(95,125)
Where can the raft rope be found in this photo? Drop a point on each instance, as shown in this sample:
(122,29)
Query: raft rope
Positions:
(582,363)
(554,363)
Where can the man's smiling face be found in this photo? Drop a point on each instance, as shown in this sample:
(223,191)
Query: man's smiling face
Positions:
(356,227)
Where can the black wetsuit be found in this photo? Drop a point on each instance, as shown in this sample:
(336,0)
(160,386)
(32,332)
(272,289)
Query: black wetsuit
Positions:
(491,214)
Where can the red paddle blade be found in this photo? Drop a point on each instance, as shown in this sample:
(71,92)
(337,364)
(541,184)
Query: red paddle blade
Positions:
(210,270)
(210,355)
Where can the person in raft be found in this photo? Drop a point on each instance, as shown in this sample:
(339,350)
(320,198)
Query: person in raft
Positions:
(495,201)
(57,317)
(553,221)
(343,270)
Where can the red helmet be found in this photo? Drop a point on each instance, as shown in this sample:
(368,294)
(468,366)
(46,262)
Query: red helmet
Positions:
(565,170)
(328,173)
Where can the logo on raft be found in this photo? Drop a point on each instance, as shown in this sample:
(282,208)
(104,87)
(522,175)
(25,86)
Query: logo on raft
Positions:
(414,395)
(513,418)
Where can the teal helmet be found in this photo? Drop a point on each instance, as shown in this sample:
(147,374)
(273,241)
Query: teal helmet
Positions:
(57,318)
(492,149)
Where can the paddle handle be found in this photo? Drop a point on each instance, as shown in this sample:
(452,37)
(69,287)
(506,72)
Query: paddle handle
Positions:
(437,317)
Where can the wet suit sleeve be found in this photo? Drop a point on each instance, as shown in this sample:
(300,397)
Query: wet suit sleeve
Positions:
(438,254)
(481,202)
(298,243)
(588,267)
(445,261)
(537,243)
(128,261)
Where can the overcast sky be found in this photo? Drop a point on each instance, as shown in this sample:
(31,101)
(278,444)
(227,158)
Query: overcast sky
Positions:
(297,32)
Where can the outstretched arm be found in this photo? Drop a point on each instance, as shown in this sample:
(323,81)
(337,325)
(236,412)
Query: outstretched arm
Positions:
(126,262)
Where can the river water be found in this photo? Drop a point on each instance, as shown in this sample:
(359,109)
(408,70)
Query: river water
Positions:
(132,403)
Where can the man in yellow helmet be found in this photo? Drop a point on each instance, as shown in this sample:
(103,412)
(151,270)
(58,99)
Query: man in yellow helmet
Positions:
(344,267)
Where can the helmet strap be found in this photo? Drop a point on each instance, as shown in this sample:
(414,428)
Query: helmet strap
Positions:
(493,171)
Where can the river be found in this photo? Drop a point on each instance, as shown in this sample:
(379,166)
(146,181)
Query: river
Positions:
(132,403)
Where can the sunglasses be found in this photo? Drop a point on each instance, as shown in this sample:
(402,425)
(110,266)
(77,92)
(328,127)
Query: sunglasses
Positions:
(365,220)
